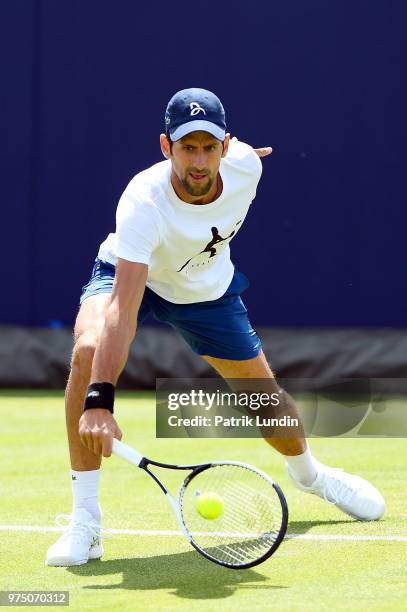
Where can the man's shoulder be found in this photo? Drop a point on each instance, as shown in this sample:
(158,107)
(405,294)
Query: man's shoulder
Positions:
(149,185)
(242,156)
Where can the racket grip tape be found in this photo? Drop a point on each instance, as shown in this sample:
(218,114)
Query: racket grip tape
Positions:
(127,453)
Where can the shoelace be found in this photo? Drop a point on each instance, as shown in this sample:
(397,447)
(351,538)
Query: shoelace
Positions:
(80,530)
(338,490)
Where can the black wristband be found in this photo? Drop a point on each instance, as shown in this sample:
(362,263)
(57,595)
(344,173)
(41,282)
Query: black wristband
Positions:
(100,395)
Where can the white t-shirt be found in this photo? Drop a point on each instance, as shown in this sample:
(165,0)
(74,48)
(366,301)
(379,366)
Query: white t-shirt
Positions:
(186,246)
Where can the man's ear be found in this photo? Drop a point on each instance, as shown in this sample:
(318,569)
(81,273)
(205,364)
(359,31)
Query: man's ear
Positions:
(226,144)
(165,146)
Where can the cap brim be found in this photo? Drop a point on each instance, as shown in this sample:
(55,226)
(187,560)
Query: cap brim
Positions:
(195,126)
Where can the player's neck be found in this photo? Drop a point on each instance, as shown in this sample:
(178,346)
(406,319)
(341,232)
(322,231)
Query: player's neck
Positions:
(209,197)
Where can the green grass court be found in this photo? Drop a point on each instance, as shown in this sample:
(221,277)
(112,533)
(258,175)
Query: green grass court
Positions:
(162,572)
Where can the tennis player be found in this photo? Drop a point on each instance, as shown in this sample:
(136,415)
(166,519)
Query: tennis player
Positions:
(170,256)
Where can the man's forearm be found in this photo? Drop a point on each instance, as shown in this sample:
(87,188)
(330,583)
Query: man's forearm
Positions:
(113,347)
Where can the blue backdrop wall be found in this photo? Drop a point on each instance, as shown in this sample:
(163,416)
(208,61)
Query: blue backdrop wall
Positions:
(85,85)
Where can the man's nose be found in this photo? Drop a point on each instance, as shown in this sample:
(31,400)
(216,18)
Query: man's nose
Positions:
(200,160)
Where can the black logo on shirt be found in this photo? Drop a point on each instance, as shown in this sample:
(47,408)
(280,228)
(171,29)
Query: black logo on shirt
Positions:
(210,247)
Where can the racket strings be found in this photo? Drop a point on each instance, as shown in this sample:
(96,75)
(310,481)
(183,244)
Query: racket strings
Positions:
(251,519)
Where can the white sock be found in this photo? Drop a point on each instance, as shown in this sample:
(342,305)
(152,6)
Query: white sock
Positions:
(303,468)
(85,490)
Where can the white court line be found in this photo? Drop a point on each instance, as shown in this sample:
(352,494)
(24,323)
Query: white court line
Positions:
(145,532)
(346,538)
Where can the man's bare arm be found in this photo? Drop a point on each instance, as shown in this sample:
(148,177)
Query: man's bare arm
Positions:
(121,321)
(97,426)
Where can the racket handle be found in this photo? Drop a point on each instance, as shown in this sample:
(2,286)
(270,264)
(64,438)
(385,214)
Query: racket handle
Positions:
(126,452)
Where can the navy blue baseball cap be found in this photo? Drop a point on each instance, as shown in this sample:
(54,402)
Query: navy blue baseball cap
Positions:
(190,110)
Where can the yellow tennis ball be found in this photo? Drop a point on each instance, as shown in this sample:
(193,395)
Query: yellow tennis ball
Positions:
(209,505)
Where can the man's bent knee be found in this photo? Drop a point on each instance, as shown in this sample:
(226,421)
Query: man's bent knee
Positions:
(84,349)
(88,327)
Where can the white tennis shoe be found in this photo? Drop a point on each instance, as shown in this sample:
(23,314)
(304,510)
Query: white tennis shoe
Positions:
(352,494)
(81,540)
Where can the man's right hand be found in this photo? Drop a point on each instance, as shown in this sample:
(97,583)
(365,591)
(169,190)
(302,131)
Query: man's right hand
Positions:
(97,428)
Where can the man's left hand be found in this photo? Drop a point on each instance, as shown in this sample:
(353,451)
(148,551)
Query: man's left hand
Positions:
(263,151)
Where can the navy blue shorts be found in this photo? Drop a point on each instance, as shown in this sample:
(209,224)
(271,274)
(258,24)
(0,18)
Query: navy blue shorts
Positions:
(219,328)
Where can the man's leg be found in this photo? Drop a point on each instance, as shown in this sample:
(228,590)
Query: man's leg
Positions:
(295,449)
(89,324)
(350,493)
(81,541)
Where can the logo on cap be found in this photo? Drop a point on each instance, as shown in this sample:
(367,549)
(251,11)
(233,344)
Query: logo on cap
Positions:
(192,110)
(196,108)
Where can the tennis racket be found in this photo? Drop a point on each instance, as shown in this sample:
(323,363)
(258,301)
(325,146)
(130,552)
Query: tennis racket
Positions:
(254,518)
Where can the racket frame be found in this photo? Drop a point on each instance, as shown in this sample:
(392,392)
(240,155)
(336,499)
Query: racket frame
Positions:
(135,458)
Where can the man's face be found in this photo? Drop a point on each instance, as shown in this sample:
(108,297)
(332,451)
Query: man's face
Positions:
(195,161)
